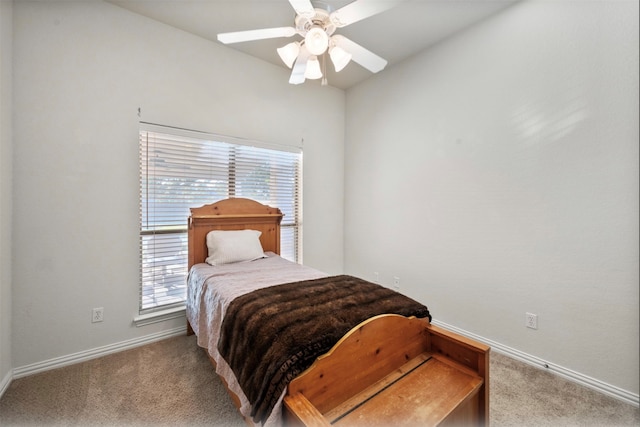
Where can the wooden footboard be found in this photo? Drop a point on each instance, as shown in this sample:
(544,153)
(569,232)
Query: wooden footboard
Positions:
(391,370)
(377,372)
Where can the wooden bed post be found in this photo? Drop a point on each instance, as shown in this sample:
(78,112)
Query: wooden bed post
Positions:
(467,352)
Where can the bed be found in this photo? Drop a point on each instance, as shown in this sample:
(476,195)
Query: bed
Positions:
(375,360)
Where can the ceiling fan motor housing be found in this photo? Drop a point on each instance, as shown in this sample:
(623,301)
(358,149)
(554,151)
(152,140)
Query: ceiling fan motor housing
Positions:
(319,19)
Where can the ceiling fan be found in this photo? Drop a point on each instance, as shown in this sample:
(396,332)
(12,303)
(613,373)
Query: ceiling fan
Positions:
(317,27)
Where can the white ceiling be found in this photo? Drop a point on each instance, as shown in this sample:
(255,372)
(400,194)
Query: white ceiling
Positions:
(396,34)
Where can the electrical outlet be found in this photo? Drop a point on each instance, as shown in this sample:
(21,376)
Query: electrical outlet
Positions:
(396,283)
(531,321)
(97,315)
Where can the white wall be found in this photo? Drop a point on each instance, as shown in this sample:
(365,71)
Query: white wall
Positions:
(497,173)
(5,191)
(81,71)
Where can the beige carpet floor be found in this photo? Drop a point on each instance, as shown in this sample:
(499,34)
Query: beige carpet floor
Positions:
(171,383)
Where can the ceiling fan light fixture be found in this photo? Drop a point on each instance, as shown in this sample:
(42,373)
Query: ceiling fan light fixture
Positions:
(289,53)
(317,26)
(339,57)
(313,71)
(316,40)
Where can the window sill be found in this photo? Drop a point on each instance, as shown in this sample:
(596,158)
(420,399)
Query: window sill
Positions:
(159,316)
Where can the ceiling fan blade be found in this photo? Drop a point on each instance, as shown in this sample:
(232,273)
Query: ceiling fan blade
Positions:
(362,56)
(359,10)
(300,66)
(265,33)
(303,7)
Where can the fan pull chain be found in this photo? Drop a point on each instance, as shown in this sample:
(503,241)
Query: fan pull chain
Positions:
(324,81)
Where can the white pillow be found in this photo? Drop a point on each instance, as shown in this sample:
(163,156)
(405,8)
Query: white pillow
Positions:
(226,247)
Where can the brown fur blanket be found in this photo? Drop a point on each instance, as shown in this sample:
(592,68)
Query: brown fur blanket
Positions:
(271,335)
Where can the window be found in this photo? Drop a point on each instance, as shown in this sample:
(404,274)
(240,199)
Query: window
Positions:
(182,169)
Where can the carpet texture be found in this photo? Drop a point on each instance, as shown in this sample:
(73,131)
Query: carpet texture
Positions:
(171,383)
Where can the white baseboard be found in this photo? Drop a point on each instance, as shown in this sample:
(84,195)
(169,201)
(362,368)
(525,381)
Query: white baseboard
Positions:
(576,377)
(83,356)
(6,382)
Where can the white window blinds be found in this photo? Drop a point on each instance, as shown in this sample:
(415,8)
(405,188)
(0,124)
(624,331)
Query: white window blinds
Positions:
(182,169)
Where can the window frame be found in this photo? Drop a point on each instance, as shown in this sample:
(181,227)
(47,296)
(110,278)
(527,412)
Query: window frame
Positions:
(240,150)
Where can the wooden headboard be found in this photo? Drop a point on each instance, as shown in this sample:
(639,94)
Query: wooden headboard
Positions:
(233,214)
